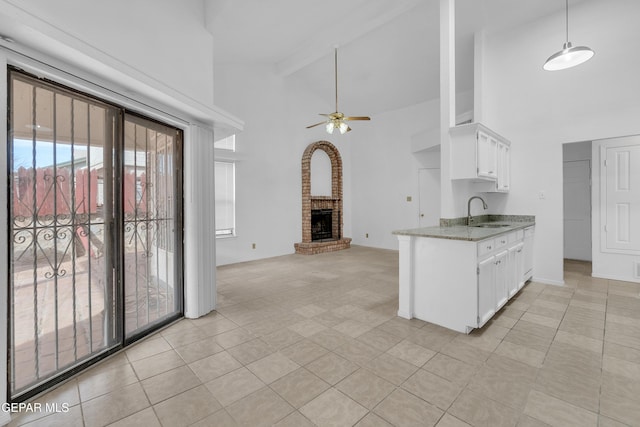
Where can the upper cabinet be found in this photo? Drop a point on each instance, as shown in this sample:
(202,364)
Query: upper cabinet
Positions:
(486,152)
(479,154)
(504,166)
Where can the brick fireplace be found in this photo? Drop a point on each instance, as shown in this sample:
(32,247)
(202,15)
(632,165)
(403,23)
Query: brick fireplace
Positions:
(322,215)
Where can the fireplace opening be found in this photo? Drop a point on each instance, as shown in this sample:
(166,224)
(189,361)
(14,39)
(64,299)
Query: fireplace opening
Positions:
(321,224)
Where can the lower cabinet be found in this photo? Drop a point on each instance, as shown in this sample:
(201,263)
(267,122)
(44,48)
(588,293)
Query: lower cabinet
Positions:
(458,283)
(516,267)
(527,271)
(502,279)
(502,272)
(486,290)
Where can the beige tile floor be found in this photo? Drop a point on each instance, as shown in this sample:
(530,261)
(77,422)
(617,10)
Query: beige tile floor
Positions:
(314,340)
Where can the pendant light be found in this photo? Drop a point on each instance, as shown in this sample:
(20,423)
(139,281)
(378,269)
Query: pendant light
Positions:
(569,56)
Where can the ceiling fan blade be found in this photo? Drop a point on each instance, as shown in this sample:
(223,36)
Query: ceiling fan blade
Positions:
(323,114)
(317,124)
(357,118)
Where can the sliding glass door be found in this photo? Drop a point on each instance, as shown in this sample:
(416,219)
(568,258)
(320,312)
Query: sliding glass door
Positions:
(150,209)
(93,230)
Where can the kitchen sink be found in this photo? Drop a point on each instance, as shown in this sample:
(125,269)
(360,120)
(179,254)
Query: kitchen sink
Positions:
(490,225)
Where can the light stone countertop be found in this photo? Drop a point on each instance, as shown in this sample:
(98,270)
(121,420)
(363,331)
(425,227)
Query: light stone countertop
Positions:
(463,232)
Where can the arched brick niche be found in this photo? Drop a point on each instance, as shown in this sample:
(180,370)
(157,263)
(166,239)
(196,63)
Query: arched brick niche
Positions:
(311,244)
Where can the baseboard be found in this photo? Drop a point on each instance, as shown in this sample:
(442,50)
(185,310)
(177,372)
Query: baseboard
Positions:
(548,281)
(614,277)
(404,314)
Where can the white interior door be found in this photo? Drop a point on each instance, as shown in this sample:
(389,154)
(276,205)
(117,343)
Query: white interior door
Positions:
(577,210)
(429,187)
(622,169)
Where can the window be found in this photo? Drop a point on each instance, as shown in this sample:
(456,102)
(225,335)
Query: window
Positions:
(228,143)
(225,186)
(225,198)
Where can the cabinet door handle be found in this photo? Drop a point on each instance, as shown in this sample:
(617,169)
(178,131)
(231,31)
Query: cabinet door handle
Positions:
(519,250)
(489,247)
(503,241)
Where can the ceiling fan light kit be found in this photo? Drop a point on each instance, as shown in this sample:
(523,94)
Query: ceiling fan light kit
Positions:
(569,56)
(337,120)
(337,124)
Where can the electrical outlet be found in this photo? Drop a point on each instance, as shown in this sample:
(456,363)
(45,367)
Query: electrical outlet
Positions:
(253,246)
(542,194)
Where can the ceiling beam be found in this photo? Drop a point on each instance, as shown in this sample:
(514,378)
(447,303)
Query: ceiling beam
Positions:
(340,32)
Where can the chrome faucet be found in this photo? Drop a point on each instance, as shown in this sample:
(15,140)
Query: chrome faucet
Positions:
(484,205)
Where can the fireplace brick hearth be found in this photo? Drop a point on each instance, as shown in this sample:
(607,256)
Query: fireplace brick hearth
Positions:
(308,246)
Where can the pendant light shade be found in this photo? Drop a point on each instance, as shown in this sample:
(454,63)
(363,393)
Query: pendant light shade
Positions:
(343,127)
(569,56)
(330,127)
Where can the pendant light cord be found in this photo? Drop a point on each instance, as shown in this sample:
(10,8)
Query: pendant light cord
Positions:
(567,18)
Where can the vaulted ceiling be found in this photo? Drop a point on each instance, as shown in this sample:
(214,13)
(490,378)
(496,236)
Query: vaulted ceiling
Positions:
(388,49)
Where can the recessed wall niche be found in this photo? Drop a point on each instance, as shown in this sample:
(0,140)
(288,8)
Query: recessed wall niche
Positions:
(320,174)
(322,226)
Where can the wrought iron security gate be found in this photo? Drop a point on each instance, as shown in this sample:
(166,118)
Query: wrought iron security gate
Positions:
(150,237)
(93,255)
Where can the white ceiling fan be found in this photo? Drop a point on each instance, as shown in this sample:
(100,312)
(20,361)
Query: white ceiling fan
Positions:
(337,120)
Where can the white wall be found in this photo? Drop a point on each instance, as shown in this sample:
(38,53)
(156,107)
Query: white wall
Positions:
(268,173)
(539,111)
(379,169)
(163,43)
(385,170)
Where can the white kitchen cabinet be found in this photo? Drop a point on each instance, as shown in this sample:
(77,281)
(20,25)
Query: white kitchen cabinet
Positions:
(487,156)
(495,277)
(480,155)
(451,278)
(500,265)
(503,167)
(515,266)
(501,241)
(502,279)
(486,290)
(527,269)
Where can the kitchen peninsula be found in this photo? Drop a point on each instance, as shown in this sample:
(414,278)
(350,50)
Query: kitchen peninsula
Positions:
(459,276)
